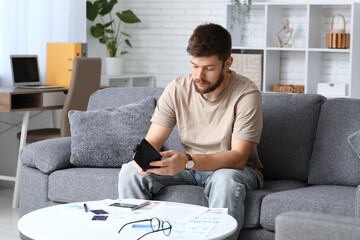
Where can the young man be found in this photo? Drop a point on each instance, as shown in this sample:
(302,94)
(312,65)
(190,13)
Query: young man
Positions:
(219,118)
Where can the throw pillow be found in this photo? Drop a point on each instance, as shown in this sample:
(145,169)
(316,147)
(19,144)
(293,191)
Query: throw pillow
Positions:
(334,161)
(354,141)
(107,137)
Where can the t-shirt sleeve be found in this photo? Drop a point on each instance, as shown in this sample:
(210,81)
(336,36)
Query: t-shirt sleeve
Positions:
(164,113)
(248,119)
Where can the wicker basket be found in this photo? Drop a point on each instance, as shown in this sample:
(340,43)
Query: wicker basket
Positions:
(289,88)
(338,38)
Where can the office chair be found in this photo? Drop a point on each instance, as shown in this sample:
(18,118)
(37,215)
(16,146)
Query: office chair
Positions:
(85,80)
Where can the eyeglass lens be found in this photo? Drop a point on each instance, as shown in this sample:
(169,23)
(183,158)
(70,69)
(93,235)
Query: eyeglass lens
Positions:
(166,228)
(155,224)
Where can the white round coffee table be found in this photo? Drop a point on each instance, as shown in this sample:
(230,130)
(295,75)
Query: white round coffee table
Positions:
(69,221)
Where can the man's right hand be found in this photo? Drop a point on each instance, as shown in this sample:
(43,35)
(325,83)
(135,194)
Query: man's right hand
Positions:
(139,169)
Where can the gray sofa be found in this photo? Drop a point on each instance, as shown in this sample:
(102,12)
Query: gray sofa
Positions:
(295,225)
(309,148)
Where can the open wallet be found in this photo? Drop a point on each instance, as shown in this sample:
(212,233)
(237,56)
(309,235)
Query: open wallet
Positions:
(145,153)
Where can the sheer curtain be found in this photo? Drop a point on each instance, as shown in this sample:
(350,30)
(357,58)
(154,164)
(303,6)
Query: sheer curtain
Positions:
(27,25)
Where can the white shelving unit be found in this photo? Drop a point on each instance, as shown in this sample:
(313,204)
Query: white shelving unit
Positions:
(128,80)
(308,62)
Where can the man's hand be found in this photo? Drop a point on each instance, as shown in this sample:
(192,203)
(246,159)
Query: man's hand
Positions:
(173,164)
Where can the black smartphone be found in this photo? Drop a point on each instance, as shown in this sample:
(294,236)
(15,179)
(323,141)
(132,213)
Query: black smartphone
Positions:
(130,205)
(125,205)
(145,153)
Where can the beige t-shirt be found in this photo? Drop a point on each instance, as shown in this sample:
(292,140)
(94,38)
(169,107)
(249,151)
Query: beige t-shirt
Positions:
(207,127)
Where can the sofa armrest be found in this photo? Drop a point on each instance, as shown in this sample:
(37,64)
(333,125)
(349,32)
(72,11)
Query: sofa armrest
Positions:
(311,226)
(48,155)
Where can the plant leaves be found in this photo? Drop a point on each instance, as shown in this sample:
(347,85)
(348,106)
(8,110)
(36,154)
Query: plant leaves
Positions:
(102,40)
(111,47)
(92,10)
(107,7)
(128,16)
(97,31)
(106,32)
(108,24)
(124,33)
(128,43)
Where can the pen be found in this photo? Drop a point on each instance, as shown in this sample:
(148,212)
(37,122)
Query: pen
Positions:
(86,207)
(140,206)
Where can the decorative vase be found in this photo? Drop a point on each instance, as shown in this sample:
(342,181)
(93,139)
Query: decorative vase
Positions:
(114,65)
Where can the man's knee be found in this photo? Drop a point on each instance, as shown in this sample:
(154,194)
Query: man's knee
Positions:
(127,171)
(224,176)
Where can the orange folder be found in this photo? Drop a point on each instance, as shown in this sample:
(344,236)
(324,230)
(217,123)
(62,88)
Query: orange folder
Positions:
(59,61)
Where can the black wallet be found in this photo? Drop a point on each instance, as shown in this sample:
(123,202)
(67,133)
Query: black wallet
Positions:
(144,154)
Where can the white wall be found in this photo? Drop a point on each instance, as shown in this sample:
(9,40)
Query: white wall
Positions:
(160,40)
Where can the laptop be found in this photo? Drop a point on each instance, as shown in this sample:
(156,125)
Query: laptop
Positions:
(25,72)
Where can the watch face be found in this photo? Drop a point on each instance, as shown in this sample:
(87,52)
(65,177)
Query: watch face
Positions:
(190,164)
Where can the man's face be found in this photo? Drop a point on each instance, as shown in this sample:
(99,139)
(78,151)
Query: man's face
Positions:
(207,72)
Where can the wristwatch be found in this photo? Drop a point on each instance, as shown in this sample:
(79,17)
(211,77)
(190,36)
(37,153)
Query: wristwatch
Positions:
(189,163)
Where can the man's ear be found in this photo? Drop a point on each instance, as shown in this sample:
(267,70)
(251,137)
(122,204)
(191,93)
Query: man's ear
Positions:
(228,63)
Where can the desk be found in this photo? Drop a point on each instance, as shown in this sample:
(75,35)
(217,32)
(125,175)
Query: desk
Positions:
(26,100)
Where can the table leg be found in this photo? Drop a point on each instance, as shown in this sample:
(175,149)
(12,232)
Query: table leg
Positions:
(24,128)
(53,116)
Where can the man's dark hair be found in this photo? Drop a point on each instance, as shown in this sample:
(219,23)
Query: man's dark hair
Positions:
(208,40)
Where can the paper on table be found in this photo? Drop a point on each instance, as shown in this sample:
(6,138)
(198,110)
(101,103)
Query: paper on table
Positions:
(212,216)
(75,214)
(176,213)
(190,231)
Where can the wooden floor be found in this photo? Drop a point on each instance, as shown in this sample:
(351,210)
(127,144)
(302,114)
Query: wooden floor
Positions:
(8,216)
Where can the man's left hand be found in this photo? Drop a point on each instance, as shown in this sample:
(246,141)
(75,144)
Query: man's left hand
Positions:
(173,164)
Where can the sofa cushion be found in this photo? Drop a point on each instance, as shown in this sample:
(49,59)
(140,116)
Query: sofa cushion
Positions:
(83,184)
(335,200)
(254,199)
(194,195)
(334,160)
(107,137)
(184,194)
(290,122)
(48,155)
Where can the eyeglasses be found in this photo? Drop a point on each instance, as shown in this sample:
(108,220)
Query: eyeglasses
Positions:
(156,224)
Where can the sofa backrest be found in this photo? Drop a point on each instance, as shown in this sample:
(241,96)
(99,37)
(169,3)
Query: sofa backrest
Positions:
(289,129)
(336,155)
(116,97)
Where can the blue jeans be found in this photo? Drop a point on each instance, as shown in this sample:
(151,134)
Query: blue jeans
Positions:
(224,188)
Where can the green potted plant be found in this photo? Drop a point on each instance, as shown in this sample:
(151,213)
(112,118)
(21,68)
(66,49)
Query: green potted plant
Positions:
(109,30)
(239,13)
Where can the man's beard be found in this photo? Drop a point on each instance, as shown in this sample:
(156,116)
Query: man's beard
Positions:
(210,88)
